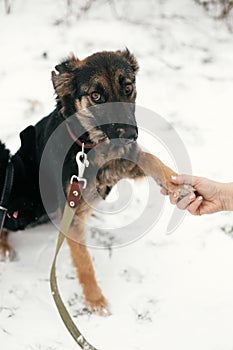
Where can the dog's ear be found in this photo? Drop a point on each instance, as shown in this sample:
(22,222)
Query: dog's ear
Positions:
(68,65)
(63,81)
(131,59)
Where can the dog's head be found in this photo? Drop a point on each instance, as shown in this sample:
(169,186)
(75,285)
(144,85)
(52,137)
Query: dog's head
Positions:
(83,86)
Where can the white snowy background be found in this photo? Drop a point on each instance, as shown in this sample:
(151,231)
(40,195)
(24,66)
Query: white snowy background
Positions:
(165,291)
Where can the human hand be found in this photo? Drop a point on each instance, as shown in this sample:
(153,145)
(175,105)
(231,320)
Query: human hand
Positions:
(209,197)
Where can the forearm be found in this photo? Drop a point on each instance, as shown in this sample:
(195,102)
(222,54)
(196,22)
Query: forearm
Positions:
(227,196)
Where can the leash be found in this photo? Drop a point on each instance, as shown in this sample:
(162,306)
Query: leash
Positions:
(77,182)
(68,215)
(8,183)
(65,316)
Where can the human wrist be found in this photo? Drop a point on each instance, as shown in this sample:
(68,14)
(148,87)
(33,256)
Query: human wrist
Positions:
(227,196)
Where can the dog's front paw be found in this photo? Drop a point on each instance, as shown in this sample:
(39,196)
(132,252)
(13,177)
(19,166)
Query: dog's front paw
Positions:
(99,305)
(7,253)
(183,190)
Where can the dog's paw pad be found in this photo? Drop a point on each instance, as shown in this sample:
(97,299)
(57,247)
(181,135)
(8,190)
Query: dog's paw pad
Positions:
(184,190)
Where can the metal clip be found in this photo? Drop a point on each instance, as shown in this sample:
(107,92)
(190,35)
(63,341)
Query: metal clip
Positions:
(83,163)
(81,159)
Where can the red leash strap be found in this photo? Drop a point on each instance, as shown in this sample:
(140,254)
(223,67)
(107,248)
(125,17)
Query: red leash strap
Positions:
(74,194)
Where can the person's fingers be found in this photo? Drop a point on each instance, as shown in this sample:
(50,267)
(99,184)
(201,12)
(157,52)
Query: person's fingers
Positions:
(183,179)
(185,202)
(194,207)
(164,191)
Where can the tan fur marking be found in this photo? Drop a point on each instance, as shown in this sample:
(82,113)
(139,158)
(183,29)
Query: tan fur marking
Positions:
(153,167)
(6,251)
(85,271)
(82,262)
(85,117)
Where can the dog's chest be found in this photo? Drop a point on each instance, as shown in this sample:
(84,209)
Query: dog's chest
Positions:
(114,171)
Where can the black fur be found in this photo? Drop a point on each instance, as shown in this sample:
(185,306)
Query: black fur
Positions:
(25,196)
(4,156)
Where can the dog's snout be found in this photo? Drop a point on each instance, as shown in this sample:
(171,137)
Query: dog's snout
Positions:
(128,134)
(125,133)
(120,132)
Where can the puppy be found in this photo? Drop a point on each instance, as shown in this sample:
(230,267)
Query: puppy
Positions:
(92,91)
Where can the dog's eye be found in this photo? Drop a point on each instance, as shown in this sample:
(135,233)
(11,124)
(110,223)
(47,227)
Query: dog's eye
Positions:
(128,89)
(95,96)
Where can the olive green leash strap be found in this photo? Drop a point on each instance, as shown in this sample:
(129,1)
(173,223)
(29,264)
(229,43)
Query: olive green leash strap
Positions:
(68,215)
(70,325)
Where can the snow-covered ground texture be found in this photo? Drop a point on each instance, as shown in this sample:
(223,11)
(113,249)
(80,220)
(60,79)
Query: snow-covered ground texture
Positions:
(165,291)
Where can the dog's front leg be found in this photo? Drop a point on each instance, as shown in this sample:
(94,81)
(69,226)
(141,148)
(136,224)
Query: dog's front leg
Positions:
(83,264)
(152,166)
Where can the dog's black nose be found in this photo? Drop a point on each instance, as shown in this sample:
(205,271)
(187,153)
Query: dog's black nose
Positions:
(127,134)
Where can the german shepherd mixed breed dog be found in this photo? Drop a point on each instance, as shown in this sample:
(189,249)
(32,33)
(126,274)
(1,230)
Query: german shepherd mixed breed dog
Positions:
(79,84)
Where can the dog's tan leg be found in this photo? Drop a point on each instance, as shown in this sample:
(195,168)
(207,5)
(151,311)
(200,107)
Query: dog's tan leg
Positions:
(83,264)
(6,252)
(152,166)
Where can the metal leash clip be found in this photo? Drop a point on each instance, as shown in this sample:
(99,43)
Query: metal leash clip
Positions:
(83,163)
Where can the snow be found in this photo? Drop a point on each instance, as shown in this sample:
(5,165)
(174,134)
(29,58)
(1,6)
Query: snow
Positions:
(166,291)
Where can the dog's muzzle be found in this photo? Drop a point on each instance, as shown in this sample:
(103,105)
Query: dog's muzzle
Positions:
(127,134)
(123,133)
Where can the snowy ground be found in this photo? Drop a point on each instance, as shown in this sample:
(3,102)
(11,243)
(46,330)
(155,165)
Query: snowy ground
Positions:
(166,291)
